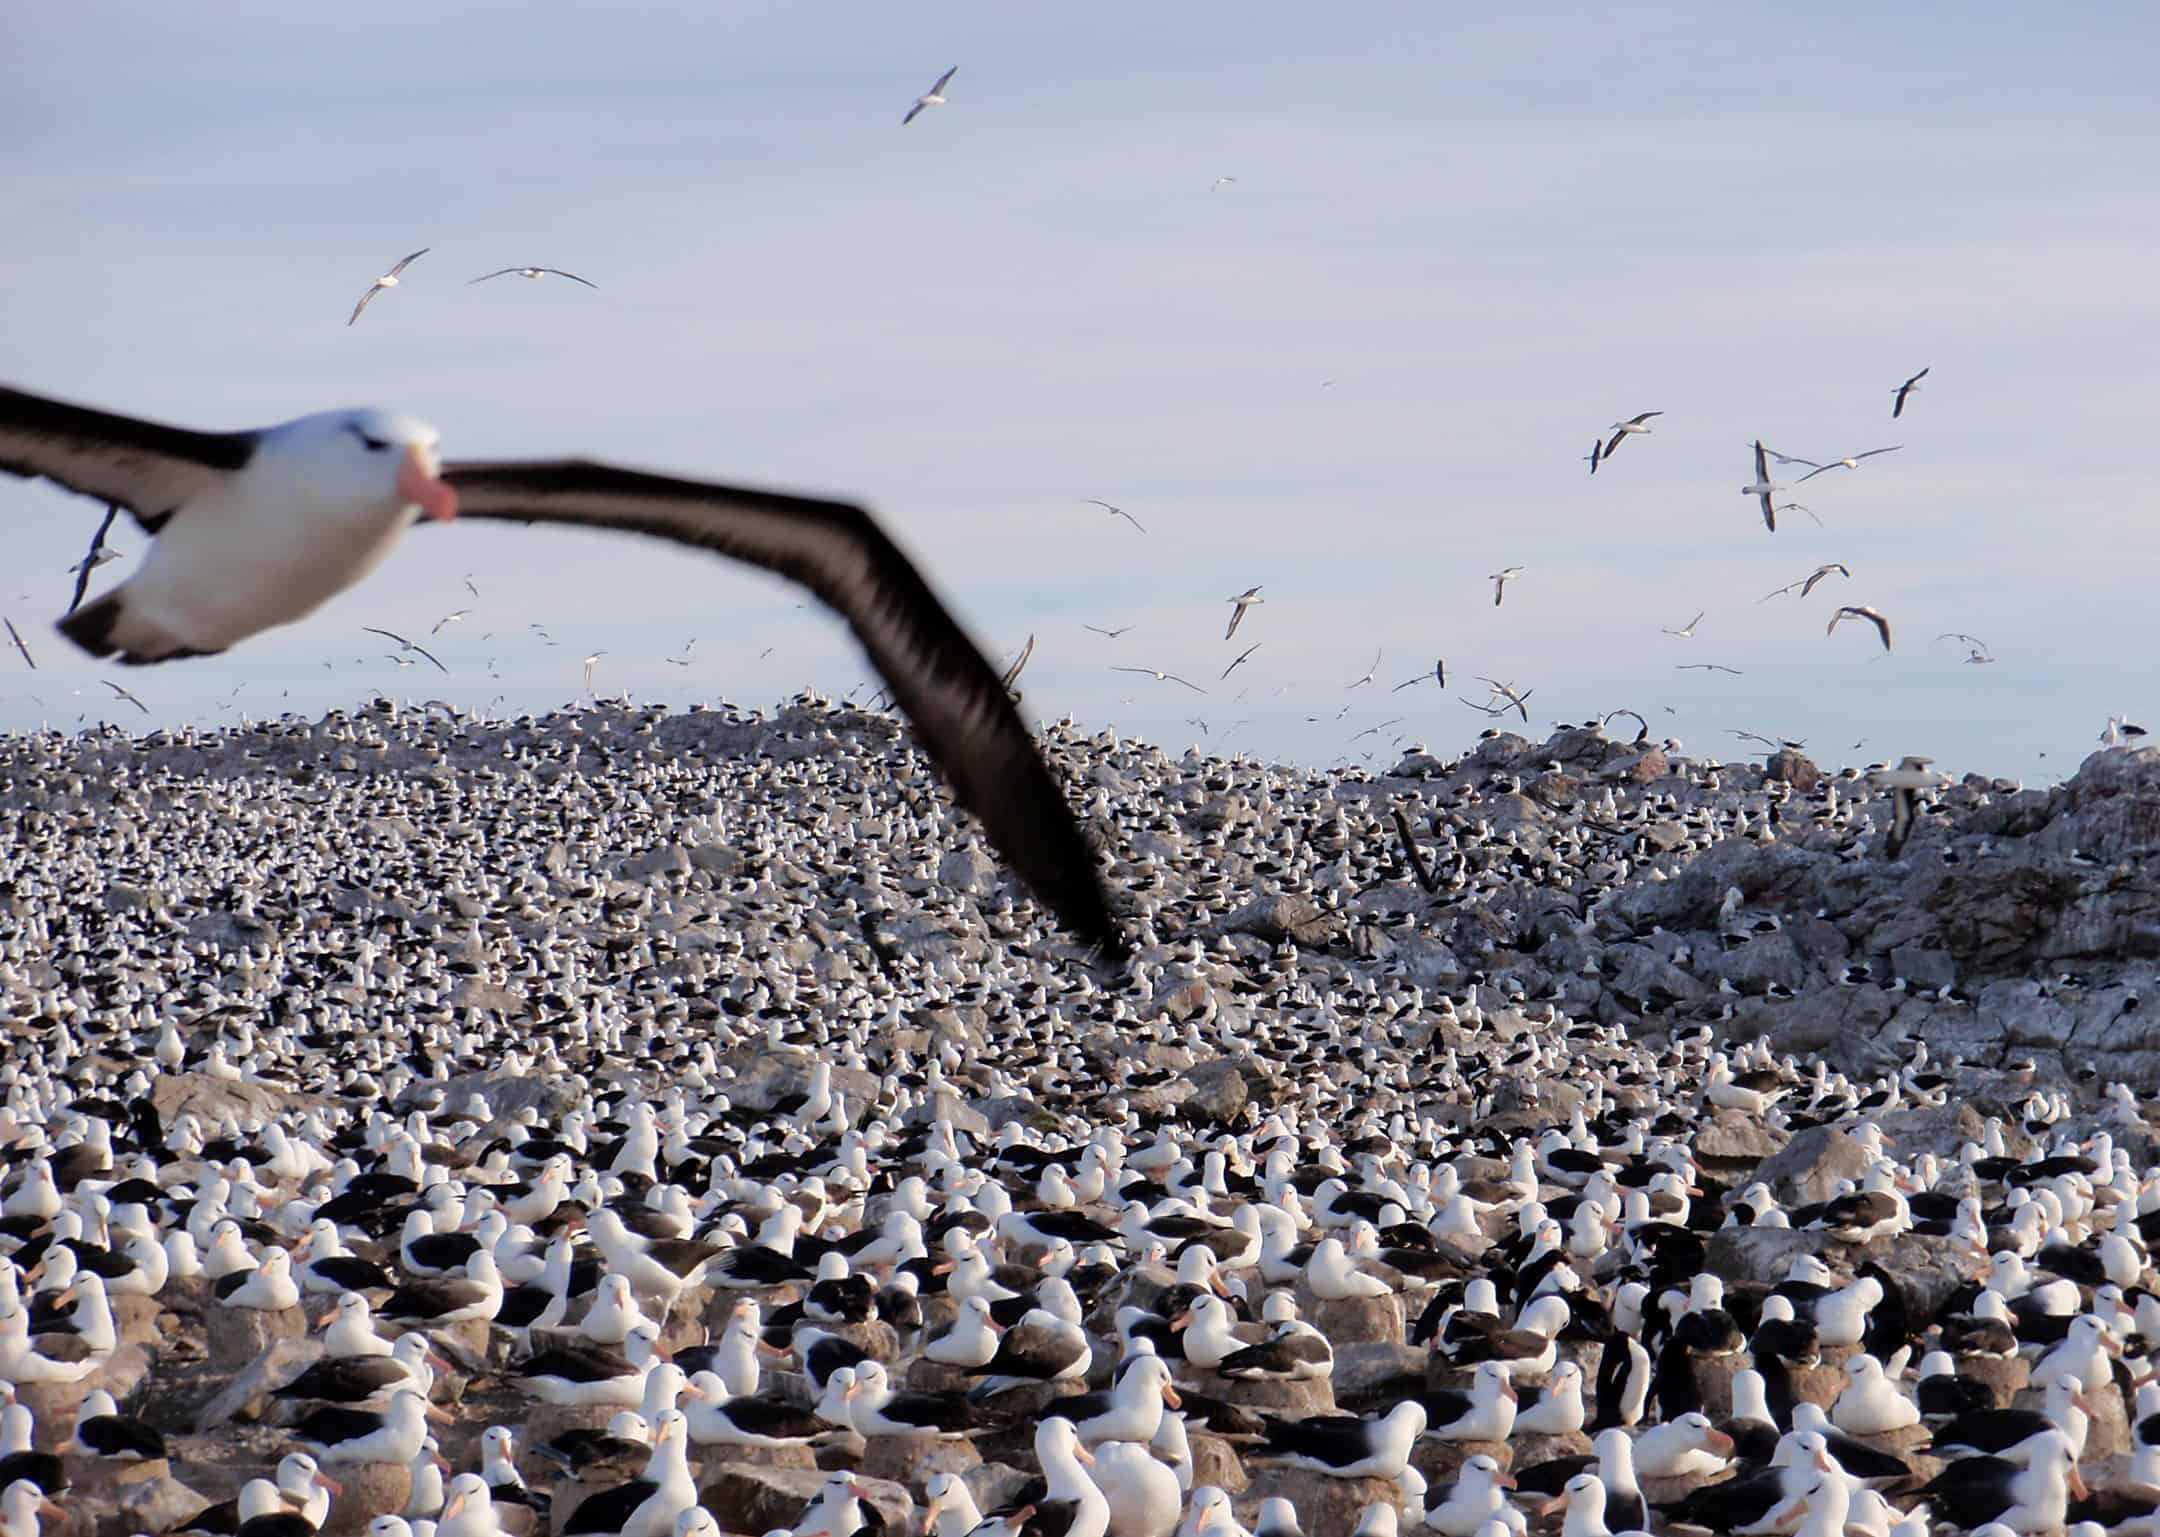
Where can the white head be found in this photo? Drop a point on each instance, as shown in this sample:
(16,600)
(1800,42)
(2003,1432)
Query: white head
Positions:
(366,457)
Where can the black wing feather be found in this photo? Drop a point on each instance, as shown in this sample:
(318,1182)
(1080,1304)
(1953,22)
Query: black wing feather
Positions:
(951,693)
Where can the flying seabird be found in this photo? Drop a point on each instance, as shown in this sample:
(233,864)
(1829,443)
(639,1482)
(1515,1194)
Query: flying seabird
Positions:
(1851,463)
(1233,667)
(312,506)
(1507,691)
(1439,676)
(1162,677)
(1622,431)
(1807,583)
(1112,634)
(1763,488)
(387,280)
(1221,182)
(1687,631)
(1116,512)
(122,693)
(1596,455)
(934,97)
(1500,579)
(1011,675)
(1861,611)
(1242,602)
(15,636)
(1360,682)
(534,272)
(454,617)
(403,645)
(97,557)
(1897,406)
(1706,667)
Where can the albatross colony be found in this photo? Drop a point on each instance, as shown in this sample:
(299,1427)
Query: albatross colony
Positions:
(423,1125)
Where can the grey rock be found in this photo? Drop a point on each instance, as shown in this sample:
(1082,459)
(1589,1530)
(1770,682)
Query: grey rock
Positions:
(1808,1168)
(744,1497)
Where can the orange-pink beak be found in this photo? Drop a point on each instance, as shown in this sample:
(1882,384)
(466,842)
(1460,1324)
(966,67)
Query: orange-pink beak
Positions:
(419,485)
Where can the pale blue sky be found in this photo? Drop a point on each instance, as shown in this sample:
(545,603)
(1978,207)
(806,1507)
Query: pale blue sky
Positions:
(1362,375)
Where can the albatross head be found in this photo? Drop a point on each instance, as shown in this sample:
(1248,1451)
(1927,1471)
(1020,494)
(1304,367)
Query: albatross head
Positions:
(373,457)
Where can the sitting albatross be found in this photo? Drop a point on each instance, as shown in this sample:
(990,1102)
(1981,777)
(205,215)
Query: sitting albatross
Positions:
(260,528)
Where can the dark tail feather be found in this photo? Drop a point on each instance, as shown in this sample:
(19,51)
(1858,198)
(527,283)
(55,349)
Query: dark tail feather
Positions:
(92,627)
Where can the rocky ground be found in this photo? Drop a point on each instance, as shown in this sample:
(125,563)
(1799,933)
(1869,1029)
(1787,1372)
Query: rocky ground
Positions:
(342,918)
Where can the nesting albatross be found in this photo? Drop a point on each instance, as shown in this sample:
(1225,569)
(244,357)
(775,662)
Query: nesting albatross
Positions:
(308,508)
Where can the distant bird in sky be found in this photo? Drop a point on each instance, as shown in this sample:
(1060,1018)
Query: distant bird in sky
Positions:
(451,618)
(1980,653)
(1596,455)
(1221,182)
(1368,677)
(590,663)
(1507,691)
(534,272)
(1233,667)
(1707,667)
(934,97)
(406,645)
(15,636)
(1162,677)
(387,280)
(1500,579)
(685,659)
(1861,611)
(1241,602)
(1763,487)
(1012,673)
(1687,631)
(1438,675)
(1116,512)
(1642,732)
(1807,583)
(124,694)
(1897,406)
(97,557)
(1852,463)
(1113,634)
(1622,431)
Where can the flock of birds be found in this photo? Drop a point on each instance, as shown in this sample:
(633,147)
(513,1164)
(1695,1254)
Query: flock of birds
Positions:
(1449,1255)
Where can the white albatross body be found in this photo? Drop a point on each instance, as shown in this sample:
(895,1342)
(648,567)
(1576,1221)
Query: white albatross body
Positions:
(317,506)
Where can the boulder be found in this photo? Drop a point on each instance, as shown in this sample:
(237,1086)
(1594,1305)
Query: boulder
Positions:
(237,1336)
(912,1460)
(1326,1507)
(367,1490)
(1215,1461)
(746,1498)
(1353,1320)
(1811,1164)
(117,1499)
(248,1392)
(1313,1395)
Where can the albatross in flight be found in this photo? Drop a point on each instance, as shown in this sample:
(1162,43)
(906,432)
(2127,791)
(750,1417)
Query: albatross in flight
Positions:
(534,272)
(1897,406)
(1850,463)
(1241,602)
(934,97)
(1500,579)
(260,528)
(1861,611)
(1622,431)
(1763,487)
(1807,583)
(387,280)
